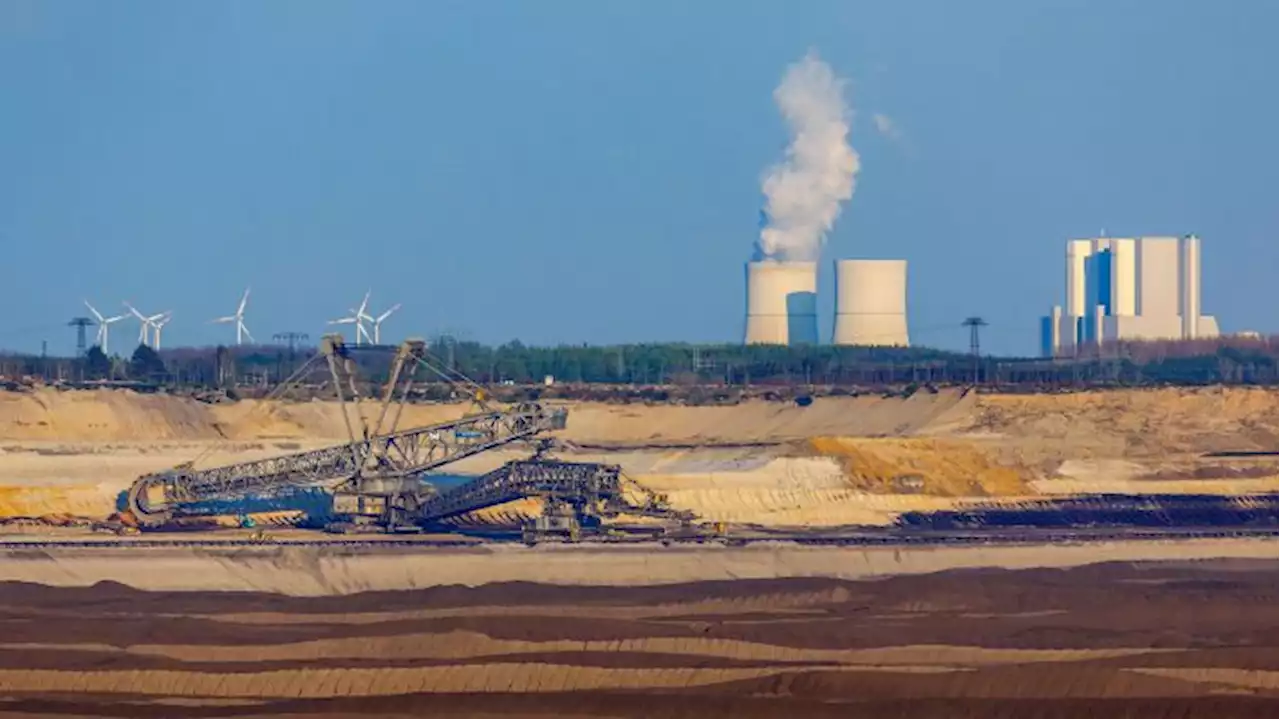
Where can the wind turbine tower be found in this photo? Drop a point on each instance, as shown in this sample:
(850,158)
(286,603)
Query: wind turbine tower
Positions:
(377,322)
(241,330)
(157,323)
(144,325)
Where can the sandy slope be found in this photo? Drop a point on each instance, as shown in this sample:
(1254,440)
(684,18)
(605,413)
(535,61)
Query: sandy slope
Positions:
(91,445)
(1135,423)
(123,415)
(841,461)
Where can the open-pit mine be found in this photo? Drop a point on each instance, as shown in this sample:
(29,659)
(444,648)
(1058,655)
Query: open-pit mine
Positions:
(946,551)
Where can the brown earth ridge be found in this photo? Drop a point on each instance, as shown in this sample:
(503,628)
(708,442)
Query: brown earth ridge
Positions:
(1160,639)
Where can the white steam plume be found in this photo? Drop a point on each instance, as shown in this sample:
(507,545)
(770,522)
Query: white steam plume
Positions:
(803,194)
(886,126)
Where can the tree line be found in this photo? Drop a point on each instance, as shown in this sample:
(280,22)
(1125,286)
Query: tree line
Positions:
(1223,361)
(1229,360)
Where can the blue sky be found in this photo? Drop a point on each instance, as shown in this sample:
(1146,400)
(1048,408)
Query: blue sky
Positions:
(590,171)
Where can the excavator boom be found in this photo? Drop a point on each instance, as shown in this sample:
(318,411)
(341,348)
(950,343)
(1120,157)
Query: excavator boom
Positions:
(374,477)
(370,452)
(403,453)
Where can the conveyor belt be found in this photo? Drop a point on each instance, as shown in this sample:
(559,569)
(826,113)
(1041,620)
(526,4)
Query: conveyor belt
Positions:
(580,483)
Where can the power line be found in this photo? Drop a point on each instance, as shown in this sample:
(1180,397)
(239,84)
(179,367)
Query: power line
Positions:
(291,339)
(80,323)
(975,346)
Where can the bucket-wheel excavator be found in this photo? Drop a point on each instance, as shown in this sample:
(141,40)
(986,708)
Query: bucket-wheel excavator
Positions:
(377,479)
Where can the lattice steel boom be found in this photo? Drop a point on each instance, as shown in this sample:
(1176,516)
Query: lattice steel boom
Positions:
(589,483)
(402,453)
(368,452)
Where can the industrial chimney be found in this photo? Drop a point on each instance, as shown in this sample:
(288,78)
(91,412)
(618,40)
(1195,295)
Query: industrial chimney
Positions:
(871,303)
(1189,287)
(782,302)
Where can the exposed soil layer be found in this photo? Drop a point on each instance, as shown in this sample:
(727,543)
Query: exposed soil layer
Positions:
(1155,639)
(838,461)
(126,416)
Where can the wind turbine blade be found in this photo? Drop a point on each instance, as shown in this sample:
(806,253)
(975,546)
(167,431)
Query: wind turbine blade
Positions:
(224,320)
(343,321)
(94,310)
(365,302)
(243,301)
(388,313)
(246,332)
(134,311)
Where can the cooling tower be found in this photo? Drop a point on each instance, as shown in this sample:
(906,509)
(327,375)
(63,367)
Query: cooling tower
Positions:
(871,303)
(782,303)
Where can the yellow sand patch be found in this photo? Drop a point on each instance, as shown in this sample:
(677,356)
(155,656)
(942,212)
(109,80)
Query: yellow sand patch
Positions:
(934,466)
(87,500)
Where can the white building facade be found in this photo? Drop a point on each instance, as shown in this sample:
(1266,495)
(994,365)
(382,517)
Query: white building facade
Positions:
(1122,288)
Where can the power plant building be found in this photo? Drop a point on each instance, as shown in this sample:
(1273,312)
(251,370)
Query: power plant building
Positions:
(782,303)
(871,303)
(1120,288)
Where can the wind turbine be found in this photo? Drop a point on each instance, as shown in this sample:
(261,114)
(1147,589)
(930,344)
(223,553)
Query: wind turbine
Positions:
(104,323)
(143,324)
(377,322)
(158,322)
(241,330)
(149,323)
(358,316)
